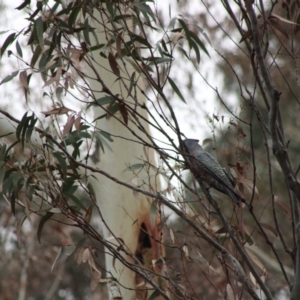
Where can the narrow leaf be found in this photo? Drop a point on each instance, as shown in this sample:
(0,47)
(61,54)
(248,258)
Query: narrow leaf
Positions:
(175,89)
(43,221)
(9,77)
(105,100)
(19,49)
(56,258)
(7,42)
(113,64)
(124,113)
(39,30)
(88,215)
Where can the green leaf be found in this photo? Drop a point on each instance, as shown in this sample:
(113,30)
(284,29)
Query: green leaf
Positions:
(86,31)
(25,128)
(2,173)
(3,31)
(105,100)
(19,49)
(134,167)
(196,49)
(73,16)
(32,121)
(159,60)
(112,109)
(9,77)
(76,201)
(39,30)
(76,151)
(106,135)
(23,5)
(91,190)
(35,56)
(122,17)
(132,83)
(62,161)
(6,43)
(154,295)
(186,30)
(96,47)
(198,41)
(140,39)
(42,223)
(175,89)
(18,180)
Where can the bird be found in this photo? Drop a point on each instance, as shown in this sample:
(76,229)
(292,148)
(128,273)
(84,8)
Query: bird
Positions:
(204,167)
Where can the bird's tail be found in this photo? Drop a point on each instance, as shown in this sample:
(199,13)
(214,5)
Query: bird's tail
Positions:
(235,197)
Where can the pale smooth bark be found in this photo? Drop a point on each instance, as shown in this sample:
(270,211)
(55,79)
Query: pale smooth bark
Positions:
(123,211)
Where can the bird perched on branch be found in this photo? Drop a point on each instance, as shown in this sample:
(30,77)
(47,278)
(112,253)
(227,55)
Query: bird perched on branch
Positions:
(204,167)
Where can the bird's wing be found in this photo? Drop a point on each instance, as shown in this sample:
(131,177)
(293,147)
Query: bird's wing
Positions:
(208,164)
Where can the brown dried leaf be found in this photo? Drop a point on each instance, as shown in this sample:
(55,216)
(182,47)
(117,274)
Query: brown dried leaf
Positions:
(77,122)
(177,36)
(92,264)
(78,255)
(69,80)
(172,235)
(55,79)
(86,255)
(269,227)
(273,22)
(282,19)
(50,63)
(185,250)
(96,277)
(68,126)
(255,259)
(88,214)
(113,64)
(23,79)
(246,35)
(142,283)
(229,292)
(253,280)
(74,50)
(249,185)
(56,111)
(24,84)
(284,207)
(124,113)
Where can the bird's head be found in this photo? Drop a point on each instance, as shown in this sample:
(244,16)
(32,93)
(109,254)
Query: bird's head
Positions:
(190,144)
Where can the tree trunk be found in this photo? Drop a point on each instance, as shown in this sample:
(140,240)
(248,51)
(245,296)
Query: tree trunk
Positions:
(126,215)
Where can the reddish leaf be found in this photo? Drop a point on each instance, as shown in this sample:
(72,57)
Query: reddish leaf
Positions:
(56,111)
(77,123)
(269,227)
(68,126)
(24,83)
(124,113)
(113,64)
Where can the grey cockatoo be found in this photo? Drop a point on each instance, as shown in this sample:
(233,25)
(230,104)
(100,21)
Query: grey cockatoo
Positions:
(204,166)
